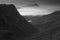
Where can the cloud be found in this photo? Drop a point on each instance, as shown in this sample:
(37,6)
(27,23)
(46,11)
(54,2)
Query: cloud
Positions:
(31,2)
(55,2)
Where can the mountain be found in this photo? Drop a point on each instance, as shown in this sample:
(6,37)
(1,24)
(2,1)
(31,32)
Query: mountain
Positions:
(51,27)
(44,21)
(13,26)
(48,25)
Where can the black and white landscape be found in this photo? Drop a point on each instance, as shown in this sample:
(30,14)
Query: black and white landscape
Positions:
(29,19)
(13,26)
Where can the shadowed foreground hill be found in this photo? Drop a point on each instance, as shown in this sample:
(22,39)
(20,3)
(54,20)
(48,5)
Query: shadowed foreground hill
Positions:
(13,26)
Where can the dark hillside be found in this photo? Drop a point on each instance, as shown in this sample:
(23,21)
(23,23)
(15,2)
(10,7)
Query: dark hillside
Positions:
(48,25)
(12,25)
(51,28)
(15,27)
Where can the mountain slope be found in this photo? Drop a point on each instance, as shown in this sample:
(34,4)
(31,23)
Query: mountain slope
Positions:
(13,26)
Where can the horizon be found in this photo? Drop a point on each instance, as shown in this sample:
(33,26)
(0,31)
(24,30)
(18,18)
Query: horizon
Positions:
(26,11)
(34,7)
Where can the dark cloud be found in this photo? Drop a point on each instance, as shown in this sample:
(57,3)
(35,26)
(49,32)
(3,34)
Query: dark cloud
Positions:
(55,2)
(32,2)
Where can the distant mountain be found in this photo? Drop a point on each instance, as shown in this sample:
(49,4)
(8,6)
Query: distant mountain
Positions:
(43,22)
(51,27)
(48,25)
(36,20)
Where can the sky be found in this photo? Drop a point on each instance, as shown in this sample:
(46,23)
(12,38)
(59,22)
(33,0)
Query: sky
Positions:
(34,11)
(34,7)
